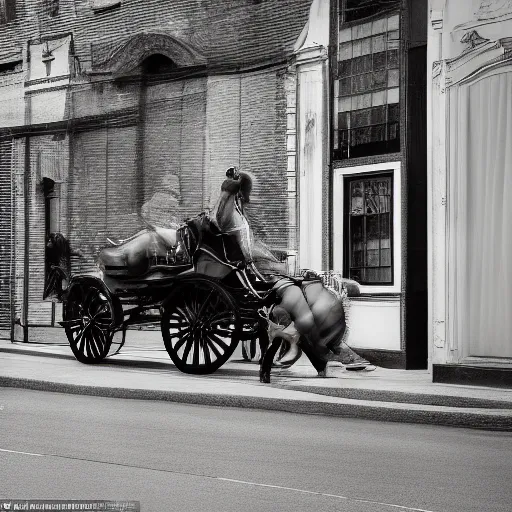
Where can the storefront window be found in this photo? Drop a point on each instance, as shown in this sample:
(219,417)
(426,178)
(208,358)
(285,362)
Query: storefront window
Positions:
(367,81)
(369,229)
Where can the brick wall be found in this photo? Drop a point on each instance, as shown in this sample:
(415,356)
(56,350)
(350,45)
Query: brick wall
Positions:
(191,130)
(234,32)
(181,134)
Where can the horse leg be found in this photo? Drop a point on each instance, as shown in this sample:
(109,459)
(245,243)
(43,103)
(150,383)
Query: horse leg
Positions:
(263,338)
(268,359)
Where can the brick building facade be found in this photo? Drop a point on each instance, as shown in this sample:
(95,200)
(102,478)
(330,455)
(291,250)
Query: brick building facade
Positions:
(116,112)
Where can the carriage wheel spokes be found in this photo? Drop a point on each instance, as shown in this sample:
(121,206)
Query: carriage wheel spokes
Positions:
(88,321)
(200,326)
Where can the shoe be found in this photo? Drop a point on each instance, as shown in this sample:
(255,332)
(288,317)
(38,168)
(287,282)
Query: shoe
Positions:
(348,358)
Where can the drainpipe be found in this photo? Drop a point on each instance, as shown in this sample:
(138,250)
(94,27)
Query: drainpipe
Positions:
(26,257)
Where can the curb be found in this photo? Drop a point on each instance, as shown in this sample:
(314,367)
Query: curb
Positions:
(108,361)
(366,394)
(402,397)
(30,352)
(487,420)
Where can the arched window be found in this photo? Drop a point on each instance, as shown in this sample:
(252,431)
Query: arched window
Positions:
(157,64)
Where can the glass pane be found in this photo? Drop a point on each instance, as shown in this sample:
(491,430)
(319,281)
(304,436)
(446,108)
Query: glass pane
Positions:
(378,115)
(393,35)
(361,101)
(356,275)
(356,198)
(385,256)
(345,68)
(361,30)
(384,191)
(379,133)
(366,46)
(356,48)
(357,241)
(345,104)
(392,58)
(393,22)
(377,275)
(361,83)
(343,118)
(379,43)
(361,64)
(379,79)
(360,118)
(393,131)
(393,95)
(345,51)
(345,86)
(379,26)
(379,98)
(379,61)
(373,234)
(360,136)
(393,78)
(371,198)
(393,44)
(345,35)
(393,113)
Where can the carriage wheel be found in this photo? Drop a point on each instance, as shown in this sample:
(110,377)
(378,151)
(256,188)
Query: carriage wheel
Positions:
(89,321)
(201,326)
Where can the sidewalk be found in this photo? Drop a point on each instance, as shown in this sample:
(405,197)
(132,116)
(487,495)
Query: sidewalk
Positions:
(143,370)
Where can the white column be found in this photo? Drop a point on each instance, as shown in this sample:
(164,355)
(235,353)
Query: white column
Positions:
(312,132)
(437,192)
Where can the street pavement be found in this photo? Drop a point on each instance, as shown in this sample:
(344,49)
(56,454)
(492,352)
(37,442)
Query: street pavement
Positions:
(143,370)
(182,457)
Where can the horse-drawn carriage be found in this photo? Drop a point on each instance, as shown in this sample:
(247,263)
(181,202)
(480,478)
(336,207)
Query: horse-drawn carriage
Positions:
(196,281)
(202,318)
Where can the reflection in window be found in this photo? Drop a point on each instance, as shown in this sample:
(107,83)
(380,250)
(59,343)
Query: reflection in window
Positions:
(367,84)
(369,229)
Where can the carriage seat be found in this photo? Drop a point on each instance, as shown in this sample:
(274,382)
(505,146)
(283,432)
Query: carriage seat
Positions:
(148,248)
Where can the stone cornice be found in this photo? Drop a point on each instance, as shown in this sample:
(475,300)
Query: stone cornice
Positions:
(311,54)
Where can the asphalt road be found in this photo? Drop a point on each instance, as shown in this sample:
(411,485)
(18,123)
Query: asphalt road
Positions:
(187,458)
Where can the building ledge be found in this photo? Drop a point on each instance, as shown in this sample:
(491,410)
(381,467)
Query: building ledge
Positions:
(464,374)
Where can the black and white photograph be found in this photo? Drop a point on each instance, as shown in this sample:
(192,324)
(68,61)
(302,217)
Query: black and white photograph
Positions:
(256,255)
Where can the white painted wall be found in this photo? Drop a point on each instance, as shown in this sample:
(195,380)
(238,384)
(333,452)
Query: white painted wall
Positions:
(374,324)
(451,60)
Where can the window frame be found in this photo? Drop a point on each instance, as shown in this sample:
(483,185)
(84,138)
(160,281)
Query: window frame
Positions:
(339,227)
(334,77)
